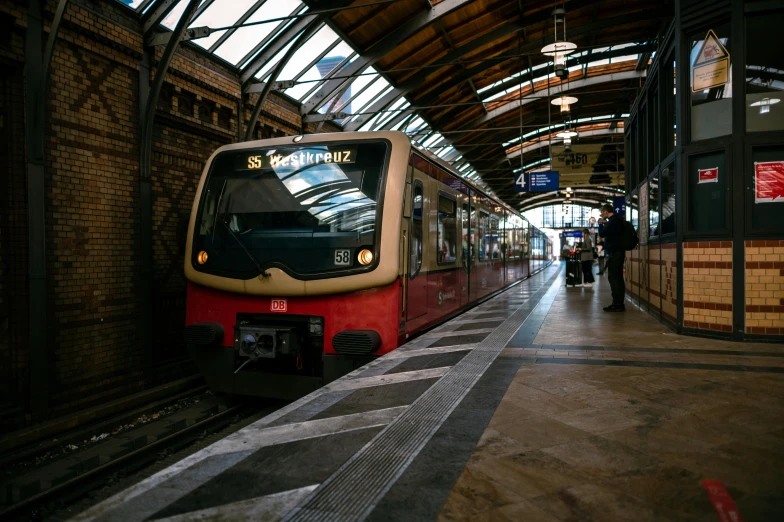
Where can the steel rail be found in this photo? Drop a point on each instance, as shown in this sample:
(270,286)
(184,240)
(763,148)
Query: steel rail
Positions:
(135,459)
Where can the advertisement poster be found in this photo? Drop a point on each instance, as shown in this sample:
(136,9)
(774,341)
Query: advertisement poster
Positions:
(588,159)
(708,175)
(769,182)
(711,67)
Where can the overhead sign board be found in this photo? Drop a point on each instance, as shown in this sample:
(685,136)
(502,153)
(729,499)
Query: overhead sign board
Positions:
(619,205)
(588,159)
(545,181)
(572,233)
(769,182)
(711,66)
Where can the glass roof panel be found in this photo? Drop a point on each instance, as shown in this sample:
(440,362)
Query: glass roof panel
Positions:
(171,19)
(220,14)
(245,38)
(359,83)
(378,89)
(309,51)
(262,74)
(324,66)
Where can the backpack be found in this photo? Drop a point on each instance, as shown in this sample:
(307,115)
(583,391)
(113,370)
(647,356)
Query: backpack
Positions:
(629,238)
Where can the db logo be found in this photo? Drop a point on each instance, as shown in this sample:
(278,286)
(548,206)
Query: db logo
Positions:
(278,305)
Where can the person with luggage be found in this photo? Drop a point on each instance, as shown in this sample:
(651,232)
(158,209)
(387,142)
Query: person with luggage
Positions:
(602,258)
(585,250)
(611,229)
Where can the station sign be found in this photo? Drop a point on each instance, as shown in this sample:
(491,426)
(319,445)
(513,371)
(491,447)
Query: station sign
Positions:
(572,233)
(545,181)
(619,205)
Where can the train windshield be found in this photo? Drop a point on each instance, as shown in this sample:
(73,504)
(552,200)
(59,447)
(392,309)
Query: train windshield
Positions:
(308,209)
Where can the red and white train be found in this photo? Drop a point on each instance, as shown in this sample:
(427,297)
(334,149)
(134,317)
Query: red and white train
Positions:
(308,256)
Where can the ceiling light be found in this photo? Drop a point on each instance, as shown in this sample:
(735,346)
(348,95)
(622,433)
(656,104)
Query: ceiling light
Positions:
(764,104)
(560,48)
(564,102)
(566,134)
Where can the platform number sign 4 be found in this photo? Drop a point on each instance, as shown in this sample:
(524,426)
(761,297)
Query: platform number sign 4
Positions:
(519,183)
(342,257)
(278,305)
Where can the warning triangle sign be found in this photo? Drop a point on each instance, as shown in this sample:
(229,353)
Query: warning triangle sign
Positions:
(711,50)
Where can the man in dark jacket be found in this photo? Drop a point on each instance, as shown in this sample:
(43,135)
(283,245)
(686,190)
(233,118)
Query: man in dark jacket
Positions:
(611,229)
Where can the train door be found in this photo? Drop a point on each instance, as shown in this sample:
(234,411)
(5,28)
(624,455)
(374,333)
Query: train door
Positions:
(479,219)
(467,250)
(416,289)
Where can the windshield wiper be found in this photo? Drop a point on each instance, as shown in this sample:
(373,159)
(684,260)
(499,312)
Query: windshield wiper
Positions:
(261,270)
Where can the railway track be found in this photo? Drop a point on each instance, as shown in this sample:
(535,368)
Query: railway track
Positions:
(41,487)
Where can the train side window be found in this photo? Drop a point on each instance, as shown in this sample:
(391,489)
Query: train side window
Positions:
(494,247)
(466,235)
(446,242)
(484,244)
(415,250)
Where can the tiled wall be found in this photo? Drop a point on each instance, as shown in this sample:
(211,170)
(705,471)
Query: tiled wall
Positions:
(707,285)
(669,260)
(765,287)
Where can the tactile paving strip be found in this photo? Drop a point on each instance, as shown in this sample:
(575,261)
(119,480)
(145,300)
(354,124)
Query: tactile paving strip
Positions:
(353,491)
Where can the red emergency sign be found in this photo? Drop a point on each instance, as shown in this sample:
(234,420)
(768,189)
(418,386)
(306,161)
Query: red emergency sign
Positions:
(708,175)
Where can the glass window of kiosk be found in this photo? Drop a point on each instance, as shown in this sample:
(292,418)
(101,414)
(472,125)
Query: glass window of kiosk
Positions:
(667,198)
(708,186)
(710,79)
(764,72)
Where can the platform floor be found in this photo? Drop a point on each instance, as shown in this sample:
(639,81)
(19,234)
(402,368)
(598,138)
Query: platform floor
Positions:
(536,405)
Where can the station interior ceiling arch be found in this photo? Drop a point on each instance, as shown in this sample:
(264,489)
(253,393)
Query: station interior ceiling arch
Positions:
(466,79)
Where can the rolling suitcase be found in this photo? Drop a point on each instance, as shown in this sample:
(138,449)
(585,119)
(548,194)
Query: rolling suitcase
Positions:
(574,271)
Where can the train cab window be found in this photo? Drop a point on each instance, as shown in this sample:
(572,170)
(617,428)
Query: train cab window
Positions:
(415,250)
(484,244)
(446,241)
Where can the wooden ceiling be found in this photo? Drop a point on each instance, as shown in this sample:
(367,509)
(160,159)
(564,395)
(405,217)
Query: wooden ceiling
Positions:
(467,45)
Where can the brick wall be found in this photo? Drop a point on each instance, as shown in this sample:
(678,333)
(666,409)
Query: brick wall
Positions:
(669,283)
(765,287)
(92,182)
(654,277)
(707,285)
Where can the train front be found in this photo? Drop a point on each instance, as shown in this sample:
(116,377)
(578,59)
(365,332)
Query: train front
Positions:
(293,260)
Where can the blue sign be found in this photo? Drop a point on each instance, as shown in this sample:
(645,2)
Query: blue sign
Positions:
(546,181)
(572,233)
(619,205)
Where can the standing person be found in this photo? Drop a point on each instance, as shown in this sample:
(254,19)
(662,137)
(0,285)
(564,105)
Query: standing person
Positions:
(611,229)
(565,251)
(586,259)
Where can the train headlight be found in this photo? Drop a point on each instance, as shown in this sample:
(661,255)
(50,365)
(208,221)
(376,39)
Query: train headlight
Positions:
(365,257)
(202,257)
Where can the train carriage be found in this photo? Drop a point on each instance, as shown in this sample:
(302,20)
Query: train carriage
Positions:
(308,256)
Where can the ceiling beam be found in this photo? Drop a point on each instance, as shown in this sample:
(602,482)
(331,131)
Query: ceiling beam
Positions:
(556,90)
(580,30)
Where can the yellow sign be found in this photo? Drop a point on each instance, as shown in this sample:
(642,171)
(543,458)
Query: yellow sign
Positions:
(711,67)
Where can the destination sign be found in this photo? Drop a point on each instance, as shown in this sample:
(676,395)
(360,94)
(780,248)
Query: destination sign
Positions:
(256,160)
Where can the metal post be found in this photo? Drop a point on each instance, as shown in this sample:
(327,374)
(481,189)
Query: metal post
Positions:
(303,37)
(148,107)
(37,71)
